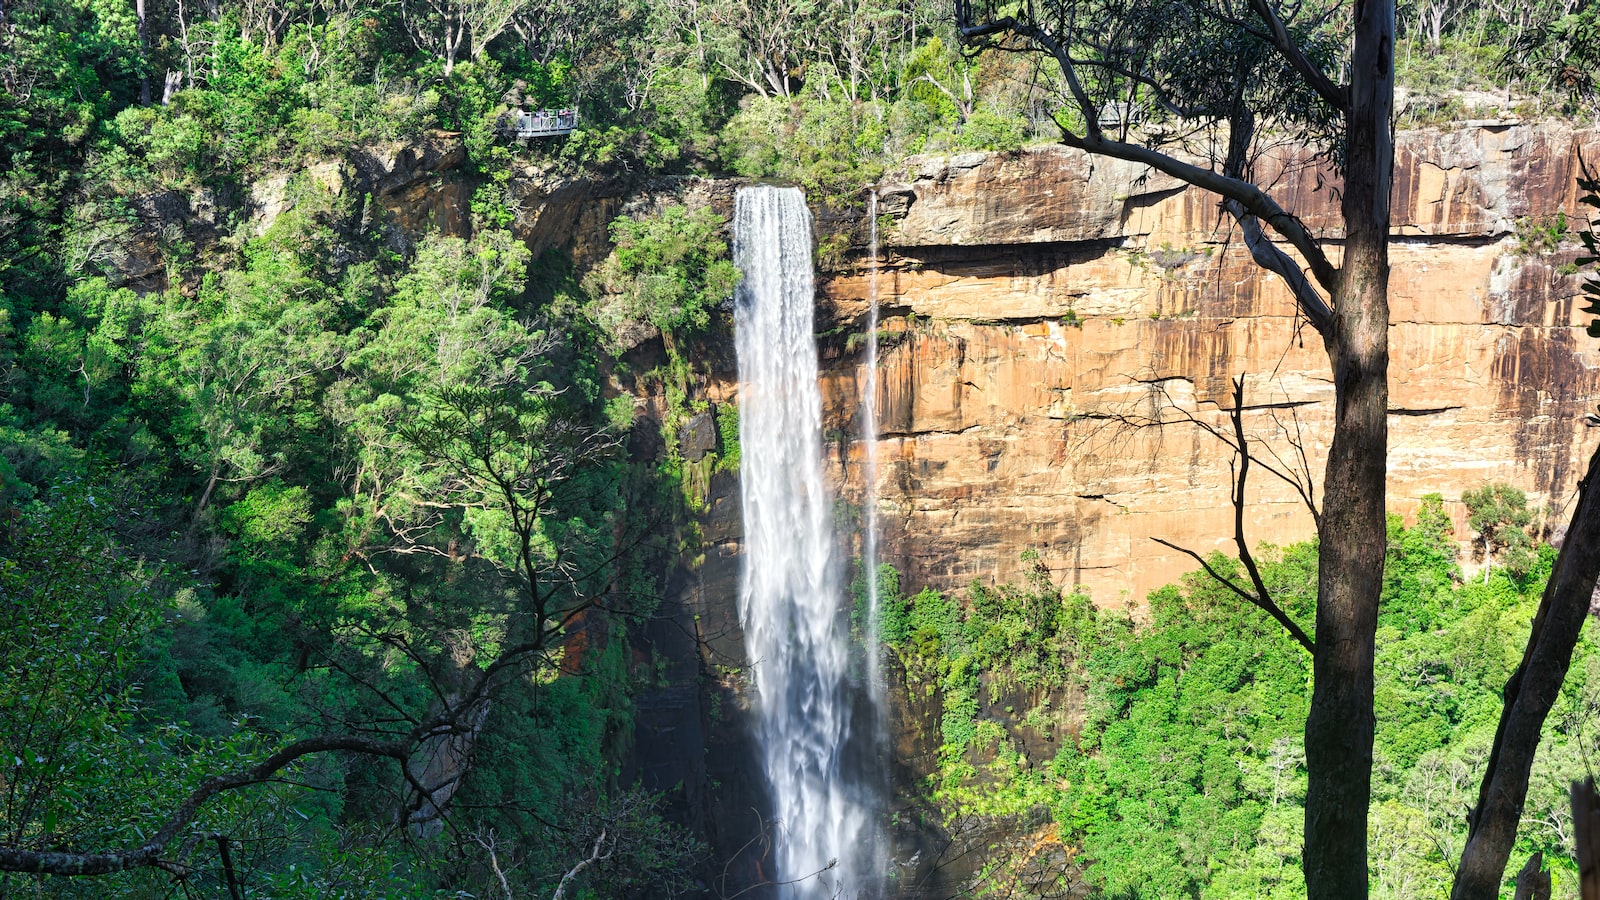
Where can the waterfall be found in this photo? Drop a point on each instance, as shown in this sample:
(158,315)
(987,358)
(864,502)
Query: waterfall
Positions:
(791,601)
(869,467)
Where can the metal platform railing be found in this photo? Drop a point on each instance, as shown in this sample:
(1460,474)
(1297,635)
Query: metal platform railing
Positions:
(544,123)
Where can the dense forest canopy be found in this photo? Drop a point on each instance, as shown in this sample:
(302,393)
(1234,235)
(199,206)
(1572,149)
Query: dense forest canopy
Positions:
(337,485)
(685,85)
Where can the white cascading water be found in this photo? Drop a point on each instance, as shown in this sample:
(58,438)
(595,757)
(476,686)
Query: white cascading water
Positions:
(791,599)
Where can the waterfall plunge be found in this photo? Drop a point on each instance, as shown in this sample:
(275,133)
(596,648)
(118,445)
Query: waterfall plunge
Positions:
(791,601)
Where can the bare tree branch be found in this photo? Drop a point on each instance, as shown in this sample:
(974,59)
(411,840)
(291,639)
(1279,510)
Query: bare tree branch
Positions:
(490,844)
(53,862)
(1260,597)
(1266,606)
(1245,556)
(600,853)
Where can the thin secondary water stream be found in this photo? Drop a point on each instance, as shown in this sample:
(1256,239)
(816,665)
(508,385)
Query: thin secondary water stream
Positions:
(792,601)
(876,688)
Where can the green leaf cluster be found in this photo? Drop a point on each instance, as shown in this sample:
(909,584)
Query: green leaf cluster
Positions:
(665,274)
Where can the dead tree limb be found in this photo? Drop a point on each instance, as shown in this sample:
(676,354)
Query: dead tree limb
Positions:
(1259,595)
(1266,605)
(1533,882)
(600,853)
(490,843)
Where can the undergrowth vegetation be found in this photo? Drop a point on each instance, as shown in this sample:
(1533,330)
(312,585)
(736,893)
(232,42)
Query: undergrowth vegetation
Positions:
(1174,764)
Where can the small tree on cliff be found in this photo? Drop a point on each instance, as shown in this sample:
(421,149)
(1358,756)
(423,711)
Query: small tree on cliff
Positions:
(1204,73)
(1500,515)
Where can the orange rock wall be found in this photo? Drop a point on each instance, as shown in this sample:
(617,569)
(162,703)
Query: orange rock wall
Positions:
(1065,332)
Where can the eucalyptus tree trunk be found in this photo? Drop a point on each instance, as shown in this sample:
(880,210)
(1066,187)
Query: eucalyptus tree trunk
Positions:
(144,53)
(1339,728)
(1530,693)
(1353,320)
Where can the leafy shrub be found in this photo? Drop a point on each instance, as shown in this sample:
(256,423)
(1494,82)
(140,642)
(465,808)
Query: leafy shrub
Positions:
(991,129)
(728,446)
(1541,236)
(663,276)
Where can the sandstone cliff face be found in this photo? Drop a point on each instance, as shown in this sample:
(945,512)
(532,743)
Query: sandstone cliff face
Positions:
(1064,328)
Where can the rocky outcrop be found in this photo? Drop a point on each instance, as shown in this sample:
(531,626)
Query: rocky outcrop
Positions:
(420,184)
(1064,331)
(407,189)
(413,186)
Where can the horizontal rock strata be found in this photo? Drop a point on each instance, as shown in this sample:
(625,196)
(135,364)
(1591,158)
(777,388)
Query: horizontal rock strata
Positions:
(1061,334)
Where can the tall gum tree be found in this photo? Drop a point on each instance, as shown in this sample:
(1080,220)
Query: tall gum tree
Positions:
(1221,73)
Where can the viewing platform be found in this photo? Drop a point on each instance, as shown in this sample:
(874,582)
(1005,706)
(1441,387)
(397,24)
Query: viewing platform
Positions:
(543,123)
